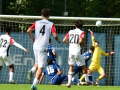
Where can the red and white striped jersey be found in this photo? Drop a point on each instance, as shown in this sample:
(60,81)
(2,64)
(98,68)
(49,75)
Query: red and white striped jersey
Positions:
(5,41)
(43,29)
(74,45)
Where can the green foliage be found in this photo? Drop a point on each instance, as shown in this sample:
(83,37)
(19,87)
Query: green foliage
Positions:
(75,8)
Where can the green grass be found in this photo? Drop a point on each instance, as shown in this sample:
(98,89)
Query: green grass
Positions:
(55,87)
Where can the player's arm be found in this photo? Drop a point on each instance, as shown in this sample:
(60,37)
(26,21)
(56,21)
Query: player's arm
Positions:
(59,72)
(41,78)
(58,69)
(65,39)
(54,52)
(81,39)
(53,30)
(18,45)
(107,54)
(29,31)
(92,37)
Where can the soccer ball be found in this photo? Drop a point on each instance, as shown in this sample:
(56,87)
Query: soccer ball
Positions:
(99,23)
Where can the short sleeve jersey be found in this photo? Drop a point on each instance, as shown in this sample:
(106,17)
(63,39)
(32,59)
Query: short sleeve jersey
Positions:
(74,36)
(43,29)
(5,41)
(51,70)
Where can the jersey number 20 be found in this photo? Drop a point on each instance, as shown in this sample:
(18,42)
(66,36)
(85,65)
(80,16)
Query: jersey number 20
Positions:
(74,38)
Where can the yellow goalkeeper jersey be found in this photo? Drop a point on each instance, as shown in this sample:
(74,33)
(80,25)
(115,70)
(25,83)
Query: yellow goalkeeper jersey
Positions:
(96,58)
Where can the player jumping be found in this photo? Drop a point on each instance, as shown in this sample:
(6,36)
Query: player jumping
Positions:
(96,58)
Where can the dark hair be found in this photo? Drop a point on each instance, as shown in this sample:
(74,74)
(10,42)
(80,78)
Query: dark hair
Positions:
(92,48)
(45,12)
(49,40)
(49,61)
(97,42)
(79,24)
(8,29)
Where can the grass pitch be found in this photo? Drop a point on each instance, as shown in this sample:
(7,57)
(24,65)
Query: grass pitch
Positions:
(55,87)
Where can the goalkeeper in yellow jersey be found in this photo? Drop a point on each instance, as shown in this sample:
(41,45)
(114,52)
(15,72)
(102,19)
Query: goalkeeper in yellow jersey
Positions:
(96,58)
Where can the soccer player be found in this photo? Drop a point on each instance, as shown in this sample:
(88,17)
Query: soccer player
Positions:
(5,42)
(43,28)
(54,74)
(87,55)
(51,53)
(96,58)
(76,37)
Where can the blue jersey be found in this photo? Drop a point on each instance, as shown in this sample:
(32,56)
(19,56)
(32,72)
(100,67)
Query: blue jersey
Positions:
(50,52)
(87,55)
(51,70)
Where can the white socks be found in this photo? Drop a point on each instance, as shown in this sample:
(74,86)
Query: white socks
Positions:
(86,77)
(35,82)
(11,76)
(69,79)
(33,70)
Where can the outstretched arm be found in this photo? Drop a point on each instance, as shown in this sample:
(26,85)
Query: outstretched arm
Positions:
(18,45)
(107,54)
(92,37)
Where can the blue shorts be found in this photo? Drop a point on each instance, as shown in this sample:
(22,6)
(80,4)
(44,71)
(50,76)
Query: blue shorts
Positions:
(77,69)
(58,79)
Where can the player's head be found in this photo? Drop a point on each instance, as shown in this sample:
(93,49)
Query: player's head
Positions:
(8,29)
(49,61)
(49,40)
(45,13)
(79,24)
(91,49)
(96,43)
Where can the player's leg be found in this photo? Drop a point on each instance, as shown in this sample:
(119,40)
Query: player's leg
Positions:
(1,63)
(84,68)
(71,62)
(9,62)
(58,79)
(42,59)
(102,74)
(91,69)
(33,69)
(90,76)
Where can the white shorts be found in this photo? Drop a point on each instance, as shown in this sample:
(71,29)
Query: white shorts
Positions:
(40,58)
(7,60)
(76,59)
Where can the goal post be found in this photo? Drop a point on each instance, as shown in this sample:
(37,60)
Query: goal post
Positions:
(108,36)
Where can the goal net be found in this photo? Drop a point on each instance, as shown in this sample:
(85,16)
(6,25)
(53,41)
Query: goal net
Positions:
(108,36)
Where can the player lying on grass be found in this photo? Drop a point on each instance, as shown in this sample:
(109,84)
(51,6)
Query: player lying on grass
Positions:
(5,42)
(87,55)
(51,53)
(54,74)
(76,39)
(96,58)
